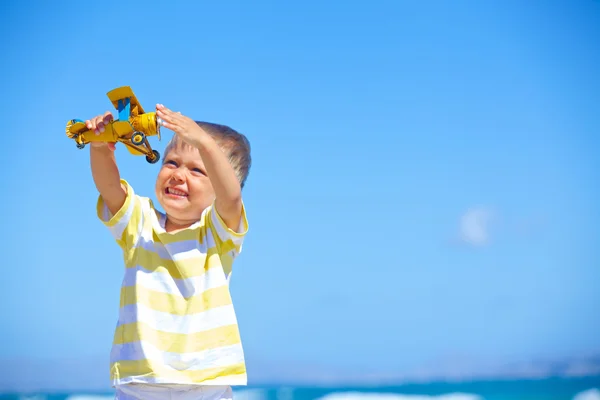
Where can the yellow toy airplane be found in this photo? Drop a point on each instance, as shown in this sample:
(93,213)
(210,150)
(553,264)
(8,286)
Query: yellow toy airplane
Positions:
(132,128)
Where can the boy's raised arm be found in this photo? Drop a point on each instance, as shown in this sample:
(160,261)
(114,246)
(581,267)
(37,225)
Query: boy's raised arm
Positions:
(222,176)
(104,167)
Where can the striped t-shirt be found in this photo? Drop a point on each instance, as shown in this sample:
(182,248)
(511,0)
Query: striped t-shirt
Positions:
(177,324)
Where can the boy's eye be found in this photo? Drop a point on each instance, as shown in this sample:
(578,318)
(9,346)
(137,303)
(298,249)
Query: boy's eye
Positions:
(199,171)
(170,162)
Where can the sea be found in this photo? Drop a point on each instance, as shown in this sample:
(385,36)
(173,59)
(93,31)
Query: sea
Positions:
(587,388)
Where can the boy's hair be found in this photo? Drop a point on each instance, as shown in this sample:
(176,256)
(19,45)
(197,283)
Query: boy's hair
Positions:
(234,144)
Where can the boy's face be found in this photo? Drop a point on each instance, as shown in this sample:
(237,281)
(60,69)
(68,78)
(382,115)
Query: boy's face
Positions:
(183,188)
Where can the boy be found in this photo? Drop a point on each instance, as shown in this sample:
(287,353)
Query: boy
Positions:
(177,335)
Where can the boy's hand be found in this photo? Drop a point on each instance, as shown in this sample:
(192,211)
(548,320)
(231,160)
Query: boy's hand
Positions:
(97,125)
(185,127)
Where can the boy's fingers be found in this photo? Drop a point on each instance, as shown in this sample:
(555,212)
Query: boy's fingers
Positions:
(169,125)
(167,115)
(172,126)
(175,116)
(164,109)
(98,126)
(107,117)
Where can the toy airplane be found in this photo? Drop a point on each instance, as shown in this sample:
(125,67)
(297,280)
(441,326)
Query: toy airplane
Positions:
(132,128)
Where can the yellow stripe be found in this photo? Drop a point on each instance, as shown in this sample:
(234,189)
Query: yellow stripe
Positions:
(227,263)
(227,246)
(152,258)
(148,369)
(180,269)
(200,231)
(180,236)
(178,342)
(175,303)
(196,233)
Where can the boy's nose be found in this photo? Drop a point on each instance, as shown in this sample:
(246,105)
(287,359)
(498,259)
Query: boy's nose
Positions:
(177,176)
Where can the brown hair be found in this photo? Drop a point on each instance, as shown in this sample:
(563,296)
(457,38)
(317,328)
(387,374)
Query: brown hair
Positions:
(234,144)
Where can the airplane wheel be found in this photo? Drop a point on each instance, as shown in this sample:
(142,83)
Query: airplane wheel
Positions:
(80,145)
(156,157)
(138,138)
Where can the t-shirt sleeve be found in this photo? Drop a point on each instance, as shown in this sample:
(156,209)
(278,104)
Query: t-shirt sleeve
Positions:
(126,224)
(228,241)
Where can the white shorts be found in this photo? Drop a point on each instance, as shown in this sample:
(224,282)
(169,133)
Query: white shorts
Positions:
(141,391)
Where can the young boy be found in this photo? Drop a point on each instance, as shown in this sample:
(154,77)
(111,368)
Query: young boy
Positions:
(177,335)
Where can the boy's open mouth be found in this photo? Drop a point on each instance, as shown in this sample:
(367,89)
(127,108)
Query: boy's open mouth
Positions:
(175,192)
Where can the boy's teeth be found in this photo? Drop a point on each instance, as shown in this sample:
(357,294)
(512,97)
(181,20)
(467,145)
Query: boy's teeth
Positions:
(176,192)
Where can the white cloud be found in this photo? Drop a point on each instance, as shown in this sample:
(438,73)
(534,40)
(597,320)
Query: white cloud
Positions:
(474,226)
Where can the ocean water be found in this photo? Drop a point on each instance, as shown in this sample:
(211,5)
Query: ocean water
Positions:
(544,389)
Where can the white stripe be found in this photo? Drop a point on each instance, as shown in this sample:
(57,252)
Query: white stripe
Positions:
(105,213)
(118,229)
(210,239)
(213,358)
(184,324)
(165,283)
(176,251)
(232,380)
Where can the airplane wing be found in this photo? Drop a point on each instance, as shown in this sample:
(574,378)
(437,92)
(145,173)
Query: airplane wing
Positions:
(123,129)
(124,100)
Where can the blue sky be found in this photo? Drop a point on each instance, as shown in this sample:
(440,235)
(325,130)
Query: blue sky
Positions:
(424,179)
